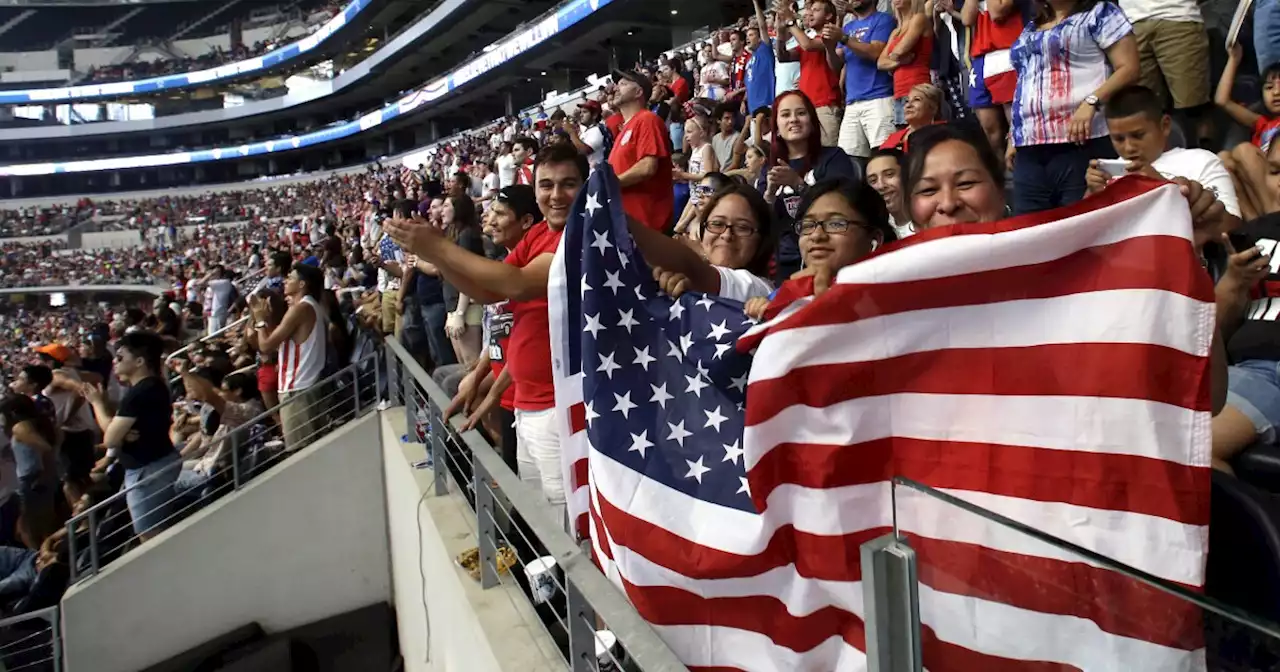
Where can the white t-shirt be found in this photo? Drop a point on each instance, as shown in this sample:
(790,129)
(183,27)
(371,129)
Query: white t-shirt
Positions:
(740,284)
(787,75)
(220,291)
(1204,167)
(592,137)
(1165,10)
(506,170)
(491,185)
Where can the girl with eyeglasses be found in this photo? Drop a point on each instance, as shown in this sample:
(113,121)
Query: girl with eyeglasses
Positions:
(840,222)
(736,247)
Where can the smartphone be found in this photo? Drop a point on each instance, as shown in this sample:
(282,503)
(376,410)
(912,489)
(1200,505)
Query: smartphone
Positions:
(1113,167)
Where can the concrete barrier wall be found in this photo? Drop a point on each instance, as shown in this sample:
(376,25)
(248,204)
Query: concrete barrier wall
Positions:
(301,543)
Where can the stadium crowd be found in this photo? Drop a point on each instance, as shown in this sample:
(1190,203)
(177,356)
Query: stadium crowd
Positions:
(789,145)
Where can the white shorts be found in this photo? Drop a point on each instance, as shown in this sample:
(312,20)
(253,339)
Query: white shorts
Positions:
(538,455)
(866,125)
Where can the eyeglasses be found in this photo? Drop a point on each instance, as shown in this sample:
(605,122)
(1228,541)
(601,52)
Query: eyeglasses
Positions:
(832,226)
(718,226)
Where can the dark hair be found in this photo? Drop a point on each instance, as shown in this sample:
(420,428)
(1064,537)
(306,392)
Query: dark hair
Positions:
(778,151)
(1269,73)
(213,374)
(527,142)
(891,152)
(718,179)
(310,276)
(405,208)
(17,408)
(862,198)
(1045,13)
(522,200)
(1133,100)
(924,140)
(243,383)
(831,7)
(726,108)
(39,375)
(464,216)
(144,344)
(281,260)
(562,154)
(763,212)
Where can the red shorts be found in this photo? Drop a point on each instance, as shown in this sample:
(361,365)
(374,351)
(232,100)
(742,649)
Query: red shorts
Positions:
(267,378)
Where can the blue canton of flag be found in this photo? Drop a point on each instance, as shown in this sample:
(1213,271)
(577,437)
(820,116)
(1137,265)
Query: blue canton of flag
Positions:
(388,249)
(663,383)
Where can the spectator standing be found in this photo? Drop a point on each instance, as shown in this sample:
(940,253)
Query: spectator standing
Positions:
(908,52)
(137,433)
(506,165)
(868,90)
(1173,55)
(759,78)
(995,26)
(590,132)
(726,139)
(702,157)
(300,340)
(641,156)
(72,418)
(1072,57)
(797,160)
(523,150)
(737,58)
(522,279)
(32,438)
(713,77)
(464,317)
(819,63)
(222,294)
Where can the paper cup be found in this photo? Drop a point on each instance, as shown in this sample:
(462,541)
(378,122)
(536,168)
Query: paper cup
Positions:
(606,651)
(541,575)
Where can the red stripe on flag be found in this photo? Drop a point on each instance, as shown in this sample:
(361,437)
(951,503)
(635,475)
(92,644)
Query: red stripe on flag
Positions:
(1147,262)
(578,418)
(1056,370)
(1106,481)
(1116,603)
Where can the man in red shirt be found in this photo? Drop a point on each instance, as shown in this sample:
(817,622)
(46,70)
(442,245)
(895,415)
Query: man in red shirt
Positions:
(559,173)
(820,63)
(522,150)
(642,153)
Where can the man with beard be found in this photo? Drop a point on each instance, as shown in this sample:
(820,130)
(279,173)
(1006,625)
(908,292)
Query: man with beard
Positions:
(641,155)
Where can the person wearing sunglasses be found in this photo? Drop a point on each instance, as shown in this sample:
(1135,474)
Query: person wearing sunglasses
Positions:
(840,222)
(694,210)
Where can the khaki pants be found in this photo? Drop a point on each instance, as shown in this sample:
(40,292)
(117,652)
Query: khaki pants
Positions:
(391,322)
(1174,54)
(302,420)
(829,120)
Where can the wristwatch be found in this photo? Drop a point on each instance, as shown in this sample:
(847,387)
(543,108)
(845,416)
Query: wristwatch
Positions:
(1093,100)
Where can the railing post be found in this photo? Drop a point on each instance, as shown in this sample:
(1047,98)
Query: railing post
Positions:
(93,543)
(55,627)
(582,631)
(355,386)
(486,529)
(72,551)
(234,438)
(391,377)
(437,433)
(890,600)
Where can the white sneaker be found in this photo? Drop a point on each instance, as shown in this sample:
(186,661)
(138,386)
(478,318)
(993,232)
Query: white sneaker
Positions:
(384,405)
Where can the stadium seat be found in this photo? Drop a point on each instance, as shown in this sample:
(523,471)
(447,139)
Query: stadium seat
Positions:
(1244,546)
(1259,465)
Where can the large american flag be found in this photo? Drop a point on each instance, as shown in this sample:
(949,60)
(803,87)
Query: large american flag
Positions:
(1051,369)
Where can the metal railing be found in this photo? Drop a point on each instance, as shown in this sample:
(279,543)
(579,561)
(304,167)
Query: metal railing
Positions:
(572,599)
(234,324)
(32,642)
(105,531)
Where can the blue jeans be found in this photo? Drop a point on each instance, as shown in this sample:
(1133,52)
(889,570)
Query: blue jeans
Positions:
(150,493)
(1051,176)
(17,571)
(433,318)
(1253,388)
(1266,32)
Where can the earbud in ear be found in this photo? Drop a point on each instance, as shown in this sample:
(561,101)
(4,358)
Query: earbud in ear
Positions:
(875,245)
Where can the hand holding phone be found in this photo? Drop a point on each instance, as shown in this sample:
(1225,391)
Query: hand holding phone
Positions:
(1113,167)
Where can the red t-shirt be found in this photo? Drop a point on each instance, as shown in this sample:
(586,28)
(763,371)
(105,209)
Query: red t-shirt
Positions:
(614,124)
(1264,131)
(652,201)
(498,319)
(680,89)
(529,349)
(817,80)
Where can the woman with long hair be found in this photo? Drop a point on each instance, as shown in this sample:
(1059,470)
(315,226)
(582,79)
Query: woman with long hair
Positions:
(1070,59)
(797,160)
(462,227)
(908,52)
(32,439)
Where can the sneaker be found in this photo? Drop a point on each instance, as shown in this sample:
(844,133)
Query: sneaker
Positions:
(384,405)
